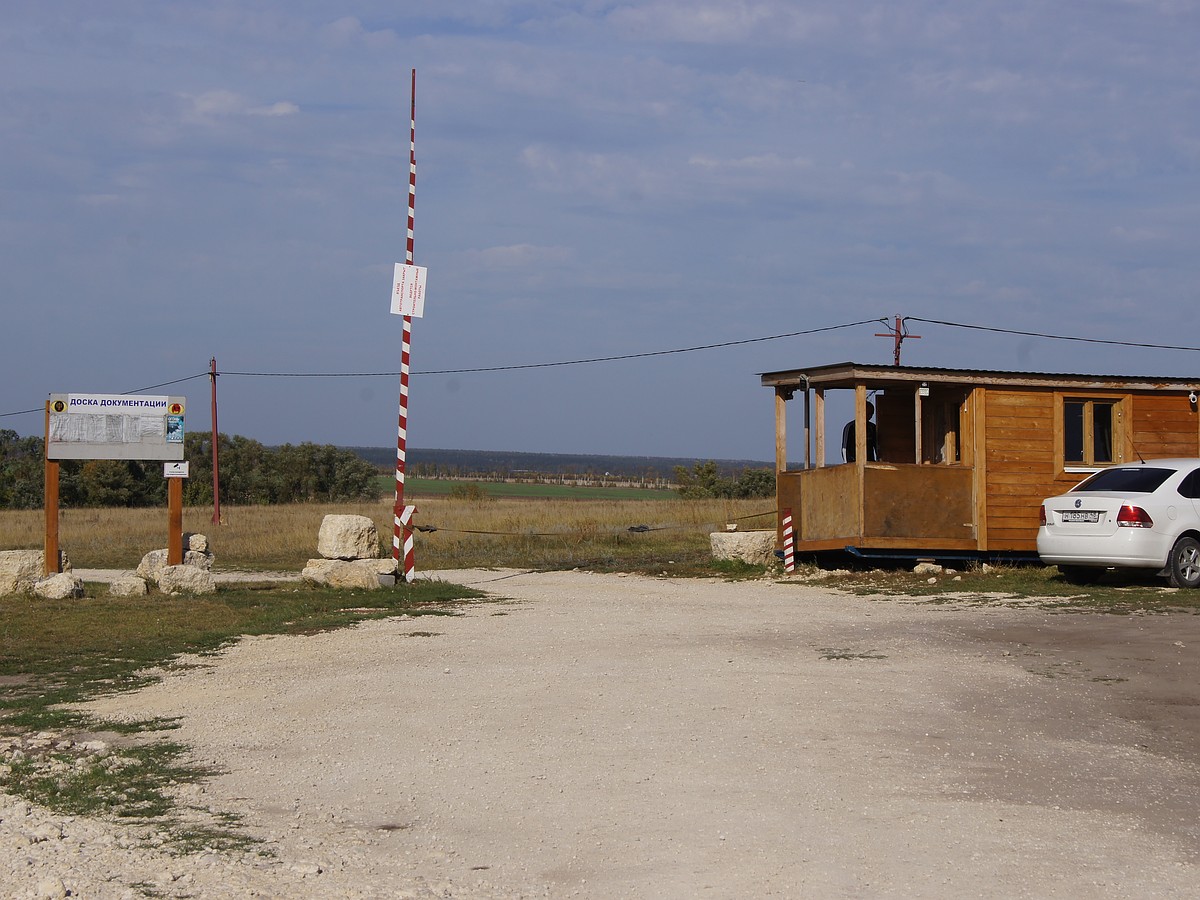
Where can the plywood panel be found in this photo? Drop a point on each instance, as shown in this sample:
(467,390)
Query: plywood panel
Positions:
(897,433)
(924,503)
(787,496)
(830,501)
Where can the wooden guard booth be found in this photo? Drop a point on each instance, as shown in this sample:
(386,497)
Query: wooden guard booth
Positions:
(965,457)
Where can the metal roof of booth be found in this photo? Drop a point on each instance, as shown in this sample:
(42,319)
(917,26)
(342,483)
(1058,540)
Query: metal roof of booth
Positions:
(847,374)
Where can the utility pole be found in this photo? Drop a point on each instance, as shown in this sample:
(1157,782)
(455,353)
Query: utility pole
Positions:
(898,334)
(212,375)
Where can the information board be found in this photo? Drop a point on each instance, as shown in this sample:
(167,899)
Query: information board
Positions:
(115,426)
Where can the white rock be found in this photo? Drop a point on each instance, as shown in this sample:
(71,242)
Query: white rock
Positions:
(340,573)
(197,542)
(186,580)
(348,537)
(927,568)
(59,587)
(128,586)
(153,563)
(51,889)
(754,547)
(20,569)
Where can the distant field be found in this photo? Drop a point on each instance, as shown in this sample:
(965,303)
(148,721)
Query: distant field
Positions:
(438,487)
(546,532)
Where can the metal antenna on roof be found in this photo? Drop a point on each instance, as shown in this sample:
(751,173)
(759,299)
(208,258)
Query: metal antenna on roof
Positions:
(899,334)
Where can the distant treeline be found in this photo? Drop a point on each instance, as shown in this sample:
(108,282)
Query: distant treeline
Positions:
(422,463)
(704,480)
(251,473)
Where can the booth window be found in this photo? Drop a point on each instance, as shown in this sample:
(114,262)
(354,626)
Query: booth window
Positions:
(1089,432)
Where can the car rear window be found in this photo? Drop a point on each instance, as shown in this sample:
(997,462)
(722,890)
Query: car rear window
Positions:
(1140,480)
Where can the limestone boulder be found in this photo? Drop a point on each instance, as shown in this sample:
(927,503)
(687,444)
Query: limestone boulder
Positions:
(128,586)
(384,565)
(59,587)
(197,542)
(199,559)
(21,569)
(186,579)
(153,563)
(754,547)
(348,537)
(341,573)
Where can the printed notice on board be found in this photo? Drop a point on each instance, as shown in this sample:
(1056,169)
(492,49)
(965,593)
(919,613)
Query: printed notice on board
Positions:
(408,291)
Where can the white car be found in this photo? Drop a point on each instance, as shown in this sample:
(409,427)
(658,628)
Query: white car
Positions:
(1143,515)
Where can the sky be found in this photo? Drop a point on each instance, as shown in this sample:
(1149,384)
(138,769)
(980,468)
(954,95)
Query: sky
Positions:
(182,181)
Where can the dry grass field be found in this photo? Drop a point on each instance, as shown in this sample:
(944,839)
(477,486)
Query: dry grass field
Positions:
(525,533)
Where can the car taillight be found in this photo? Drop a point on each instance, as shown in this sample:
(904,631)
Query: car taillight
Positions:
(1043,515)
(1134,517)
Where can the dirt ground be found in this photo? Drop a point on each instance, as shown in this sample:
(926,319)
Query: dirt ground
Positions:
(606,736)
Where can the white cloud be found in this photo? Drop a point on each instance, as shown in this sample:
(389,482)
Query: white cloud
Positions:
(283,108)
(349,30)
(765,163)
(225,104)
(517,256)
(718,23)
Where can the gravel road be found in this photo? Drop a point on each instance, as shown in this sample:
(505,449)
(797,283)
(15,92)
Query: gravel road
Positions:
(606,736)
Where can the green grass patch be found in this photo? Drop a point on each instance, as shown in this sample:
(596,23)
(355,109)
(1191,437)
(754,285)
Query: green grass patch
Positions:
(438,487)
(55,654)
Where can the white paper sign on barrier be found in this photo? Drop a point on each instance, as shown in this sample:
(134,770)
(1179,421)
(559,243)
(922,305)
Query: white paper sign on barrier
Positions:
(408,291)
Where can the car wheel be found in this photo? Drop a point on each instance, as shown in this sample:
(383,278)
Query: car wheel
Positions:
(1183,565)
(1080,574)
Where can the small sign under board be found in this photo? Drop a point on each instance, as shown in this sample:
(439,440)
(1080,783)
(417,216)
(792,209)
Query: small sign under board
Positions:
(175,469)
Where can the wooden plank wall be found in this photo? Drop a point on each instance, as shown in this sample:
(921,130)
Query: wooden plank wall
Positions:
(1022,468)
(1164,425)
(1020,465)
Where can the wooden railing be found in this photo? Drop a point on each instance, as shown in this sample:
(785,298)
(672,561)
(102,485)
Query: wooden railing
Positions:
(890,505)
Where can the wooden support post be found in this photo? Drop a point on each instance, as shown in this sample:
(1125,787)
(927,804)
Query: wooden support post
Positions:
(174,521)
(51,554)
(860,425)
(920,435)
(780,431)
(819,412)
(807,429)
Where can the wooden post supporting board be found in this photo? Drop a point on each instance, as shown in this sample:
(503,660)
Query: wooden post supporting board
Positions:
(174,521)
(51,557)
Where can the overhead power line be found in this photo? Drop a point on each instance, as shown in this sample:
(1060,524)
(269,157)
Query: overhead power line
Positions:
(599,359)
(1053,337)
(149,387)
(568,362)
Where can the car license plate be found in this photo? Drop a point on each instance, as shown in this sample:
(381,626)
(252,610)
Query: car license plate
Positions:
(1080,515)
